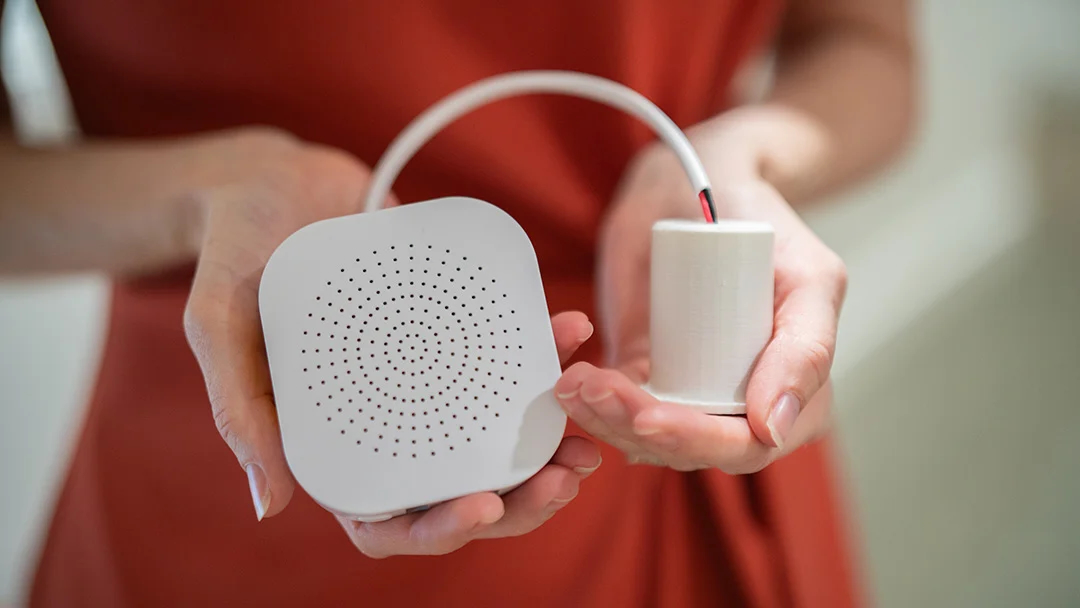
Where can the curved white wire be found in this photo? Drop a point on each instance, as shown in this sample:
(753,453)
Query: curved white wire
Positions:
(452,107)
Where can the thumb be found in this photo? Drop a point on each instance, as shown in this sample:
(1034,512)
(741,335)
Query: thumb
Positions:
(622,276)
(230,353)
(794,365)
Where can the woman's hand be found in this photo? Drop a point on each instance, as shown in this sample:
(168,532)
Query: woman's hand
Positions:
(787,395)
(451,525)
(275,186)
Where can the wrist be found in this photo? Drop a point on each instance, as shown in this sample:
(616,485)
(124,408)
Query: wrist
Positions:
(771,142)
(192,210)
(222,159)
(730,146)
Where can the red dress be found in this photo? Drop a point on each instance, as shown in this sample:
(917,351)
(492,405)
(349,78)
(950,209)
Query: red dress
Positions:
(155,510)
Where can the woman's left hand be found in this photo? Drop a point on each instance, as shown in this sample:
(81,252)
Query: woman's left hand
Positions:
(787,395)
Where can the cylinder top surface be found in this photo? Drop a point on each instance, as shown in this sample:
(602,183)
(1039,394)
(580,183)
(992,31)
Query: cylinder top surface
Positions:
(722,227)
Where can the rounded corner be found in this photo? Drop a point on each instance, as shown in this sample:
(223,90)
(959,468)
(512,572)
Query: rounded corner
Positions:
(282,249)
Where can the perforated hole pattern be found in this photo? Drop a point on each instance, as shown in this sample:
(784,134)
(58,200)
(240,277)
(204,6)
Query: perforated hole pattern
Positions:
(410,349)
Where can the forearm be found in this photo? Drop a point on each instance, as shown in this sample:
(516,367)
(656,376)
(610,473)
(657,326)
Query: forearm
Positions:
(841,105)
(120,208)
(123,208)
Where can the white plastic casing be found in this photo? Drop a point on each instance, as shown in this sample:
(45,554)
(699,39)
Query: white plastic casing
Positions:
(412,357)
(711,310)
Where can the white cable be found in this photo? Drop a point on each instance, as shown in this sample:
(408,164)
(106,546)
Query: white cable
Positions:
(465,100)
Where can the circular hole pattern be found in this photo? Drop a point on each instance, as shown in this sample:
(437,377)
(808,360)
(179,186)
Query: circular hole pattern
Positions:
(406,344)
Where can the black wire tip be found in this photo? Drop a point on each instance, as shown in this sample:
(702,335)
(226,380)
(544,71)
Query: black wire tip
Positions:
(708,206)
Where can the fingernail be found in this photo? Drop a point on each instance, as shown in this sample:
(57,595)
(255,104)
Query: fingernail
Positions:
(588,332)
(558,503)
(595,399)
(555,505)
(782,418)
(568,394)
(585,471)
(491,516)
(260,489)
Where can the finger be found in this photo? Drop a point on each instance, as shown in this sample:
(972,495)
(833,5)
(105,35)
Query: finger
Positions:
(579,455)
(811,282)
(623,282)
(228,346)
(571,330)
(568,394)
(606,399)
(437,531)
(814,421)
(684,437)
(605,403)
(534,502)
(680,436)
(690,439)
(447,527)
(795,363)
(726,442)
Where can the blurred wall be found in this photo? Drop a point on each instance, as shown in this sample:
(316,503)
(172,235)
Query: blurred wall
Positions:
(50,330)
(957,422)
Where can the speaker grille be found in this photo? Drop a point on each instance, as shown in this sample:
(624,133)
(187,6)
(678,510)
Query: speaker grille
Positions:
(410,349)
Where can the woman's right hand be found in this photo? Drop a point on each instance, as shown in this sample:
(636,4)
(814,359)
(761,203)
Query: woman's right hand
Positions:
(273,185)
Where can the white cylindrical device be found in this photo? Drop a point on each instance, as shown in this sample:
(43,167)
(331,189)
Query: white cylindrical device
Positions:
(711,310)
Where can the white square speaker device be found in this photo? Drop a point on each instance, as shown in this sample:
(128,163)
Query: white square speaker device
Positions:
(410,348)
(411,356)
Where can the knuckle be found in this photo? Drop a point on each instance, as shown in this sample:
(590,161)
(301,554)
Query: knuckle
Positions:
(195,326)
(228,427)
(839,273)
(818,357)
(813,353)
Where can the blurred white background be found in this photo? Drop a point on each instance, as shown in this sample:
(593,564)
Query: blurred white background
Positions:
(958,422)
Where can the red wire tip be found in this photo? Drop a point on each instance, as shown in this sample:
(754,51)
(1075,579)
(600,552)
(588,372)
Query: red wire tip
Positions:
(706,206)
